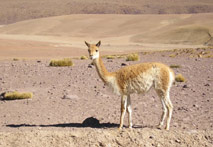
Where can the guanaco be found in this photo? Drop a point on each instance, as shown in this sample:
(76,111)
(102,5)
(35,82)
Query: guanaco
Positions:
(138,78)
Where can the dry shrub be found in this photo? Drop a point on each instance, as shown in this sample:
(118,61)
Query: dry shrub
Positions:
(172,55)
(63,62)
(174,66)
(17,95)
(180,78)
(145,53)
(15,59)
(84,57)
(110,57)
(132,57)
(209,56)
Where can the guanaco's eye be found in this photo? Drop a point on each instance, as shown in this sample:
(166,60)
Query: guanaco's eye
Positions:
(96,50)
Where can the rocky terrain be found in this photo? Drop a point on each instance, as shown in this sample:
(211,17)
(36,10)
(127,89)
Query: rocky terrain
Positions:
(72,107)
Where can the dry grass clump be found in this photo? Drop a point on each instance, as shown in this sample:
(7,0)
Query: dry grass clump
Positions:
(15,59)
(174,66)
(180,78)
(84,58)
(173,55)
(132,57)
(110,57)
(17,95)
(208,56)
(63,62)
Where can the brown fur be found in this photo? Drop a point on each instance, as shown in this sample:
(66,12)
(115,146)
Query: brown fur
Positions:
(130,72)
(102,71)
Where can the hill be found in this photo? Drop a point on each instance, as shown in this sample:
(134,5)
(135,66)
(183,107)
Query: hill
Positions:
(13,11)
(119,33)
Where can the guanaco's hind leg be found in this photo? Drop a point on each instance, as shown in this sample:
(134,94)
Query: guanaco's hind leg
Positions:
(170,109)
(167,108)
(123,110)
(163,114)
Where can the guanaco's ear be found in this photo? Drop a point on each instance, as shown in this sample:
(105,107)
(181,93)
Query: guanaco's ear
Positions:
(98,44)
(87,44)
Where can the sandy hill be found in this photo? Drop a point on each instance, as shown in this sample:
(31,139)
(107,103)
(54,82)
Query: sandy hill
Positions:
(13,11)
(137,31)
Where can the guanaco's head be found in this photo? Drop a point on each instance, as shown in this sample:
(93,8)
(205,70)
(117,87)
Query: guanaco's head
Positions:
(93,50)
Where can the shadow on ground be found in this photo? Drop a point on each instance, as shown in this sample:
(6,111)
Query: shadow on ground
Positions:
(88,122)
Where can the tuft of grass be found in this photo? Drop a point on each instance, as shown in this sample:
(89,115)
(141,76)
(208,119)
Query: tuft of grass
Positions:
(174,66)
(132,57)
(180,78)
(209,56)
(15,59)
(63,62)
(84,57)
(17,95)
(110,57)
(172,55)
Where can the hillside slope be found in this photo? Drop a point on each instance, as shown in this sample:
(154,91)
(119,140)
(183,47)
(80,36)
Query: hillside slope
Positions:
(13,11)
(185,29)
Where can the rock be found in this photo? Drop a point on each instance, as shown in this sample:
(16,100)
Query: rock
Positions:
(185,86)
(91,122)
(109,60)
(177,140)
(123,64)
(89,66)
(195,105)
(70,97)
(207,84)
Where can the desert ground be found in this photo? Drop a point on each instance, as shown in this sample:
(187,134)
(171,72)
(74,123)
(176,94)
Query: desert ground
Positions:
(70,105)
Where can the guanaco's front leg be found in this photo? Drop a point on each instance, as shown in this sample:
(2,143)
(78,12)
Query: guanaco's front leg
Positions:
(123,110)
(129,111)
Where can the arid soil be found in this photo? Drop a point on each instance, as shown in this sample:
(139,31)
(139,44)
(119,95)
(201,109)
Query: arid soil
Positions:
(72,107)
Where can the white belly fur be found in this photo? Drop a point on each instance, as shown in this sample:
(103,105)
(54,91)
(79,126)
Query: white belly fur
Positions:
(141,83)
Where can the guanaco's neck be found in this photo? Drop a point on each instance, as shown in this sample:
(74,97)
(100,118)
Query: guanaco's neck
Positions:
(102,71)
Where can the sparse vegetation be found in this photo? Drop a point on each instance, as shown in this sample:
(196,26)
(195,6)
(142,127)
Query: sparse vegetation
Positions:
(17,95)
(180,78)
(174,66)
(113,56)
(63,62)
(84,57)
(110,57)
(15,59)
(209,56)
(172,55)
(132,57)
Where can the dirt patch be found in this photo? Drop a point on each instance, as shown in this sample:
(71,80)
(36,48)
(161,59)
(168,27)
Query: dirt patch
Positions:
(107,137)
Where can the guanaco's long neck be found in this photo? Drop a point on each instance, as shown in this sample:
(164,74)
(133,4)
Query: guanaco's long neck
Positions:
(102,71)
